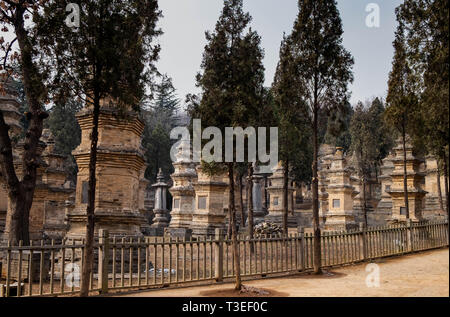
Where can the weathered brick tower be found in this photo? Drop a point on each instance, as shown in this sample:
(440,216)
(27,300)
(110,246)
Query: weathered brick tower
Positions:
(119,172)
(415,179)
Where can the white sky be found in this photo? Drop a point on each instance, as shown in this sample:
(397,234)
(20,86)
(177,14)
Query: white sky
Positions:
(185,22)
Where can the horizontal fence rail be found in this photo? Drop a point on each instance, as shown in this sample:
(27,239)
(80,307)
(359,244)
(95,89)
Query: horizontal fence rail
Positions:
(54,269)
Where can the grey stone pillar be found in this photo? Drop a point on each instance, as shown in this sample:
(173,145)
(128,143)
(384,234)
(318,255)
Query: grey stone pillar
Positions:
(161,219)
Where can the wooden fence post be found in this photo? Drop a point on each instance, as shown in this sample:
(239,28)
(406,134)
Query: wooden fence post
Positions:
(218,255)
(409,235)
(103,260)
(301,234)
(363,241)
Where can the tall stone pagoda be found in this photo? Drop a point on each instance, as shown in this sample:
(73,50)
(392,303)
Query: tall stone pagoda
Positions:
(433,180)
(209,211)
(47,214)
(340,215)
(384,208)
(325,156)
(119,172)
(276,195)
(183,193)
(415,179)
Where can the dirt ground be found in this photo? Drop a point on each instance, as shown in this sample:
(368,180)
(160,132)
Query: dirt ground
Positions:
(416,275)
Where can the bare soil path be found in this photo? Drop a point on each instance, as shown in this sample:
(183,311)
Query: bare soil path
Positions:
(415,275)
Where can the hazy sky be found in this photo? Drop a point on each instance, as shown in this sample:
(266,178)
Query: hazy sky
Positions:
(185,22)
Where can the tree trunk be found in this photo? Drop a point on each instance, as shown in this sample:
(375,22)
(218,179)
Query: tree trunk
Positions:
(238,284)
(229,229)
(446,181)
(317,261)
(438,176)
(241,200)
(13,229)
(90,210)
(405,176)
(365,202)
(250,205)
(285,196)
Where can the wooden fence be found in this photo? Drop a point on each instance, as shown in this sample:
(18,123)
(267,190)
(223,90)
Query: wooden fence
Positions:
(131,263)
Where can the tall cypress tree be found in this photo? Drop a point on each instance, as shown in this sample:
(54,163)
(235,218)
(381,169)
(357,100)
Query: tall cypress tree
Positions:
(291,114)
(369,145)
(324,68)
(426,25)
(111,55)
(232,85)
(401,98)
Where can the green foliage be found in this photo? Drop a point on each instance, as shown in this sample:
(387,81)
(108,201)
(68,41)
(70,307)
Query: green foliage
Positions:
(66,131)
(371,139)
(402,102)
(160,118)
(291,114)
(338,128)
(111,54)
(323,63)
(426,31)
(232,73)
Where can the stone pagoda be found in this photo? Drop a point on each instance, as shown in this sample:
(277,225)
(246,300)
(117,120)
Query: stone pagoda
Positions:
(340,214)
(53,190)
(276,195)
(415,178)
(433,180)
(47,214)
(258,193)
(119,172)
(162,215)
(183,193)
(325,156)
(384,208)
(209,211)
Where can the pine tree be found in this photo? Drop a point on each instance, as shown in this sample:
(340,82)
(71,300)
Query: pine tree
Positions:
(111,56)
(291,113)
(338,128)
(426,26)
(369,145)
(324,67)
(401,98)
(160,118)
(232,85)
(66,131)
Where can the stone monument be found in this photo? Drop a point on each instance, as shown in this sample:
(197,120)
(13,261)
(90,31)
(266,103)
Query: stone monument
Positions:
(258,193)
(276,195)
(120,162)
(415,178)
(161,219)
(209,211)
(341,193)
(183,193)
(384,208)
